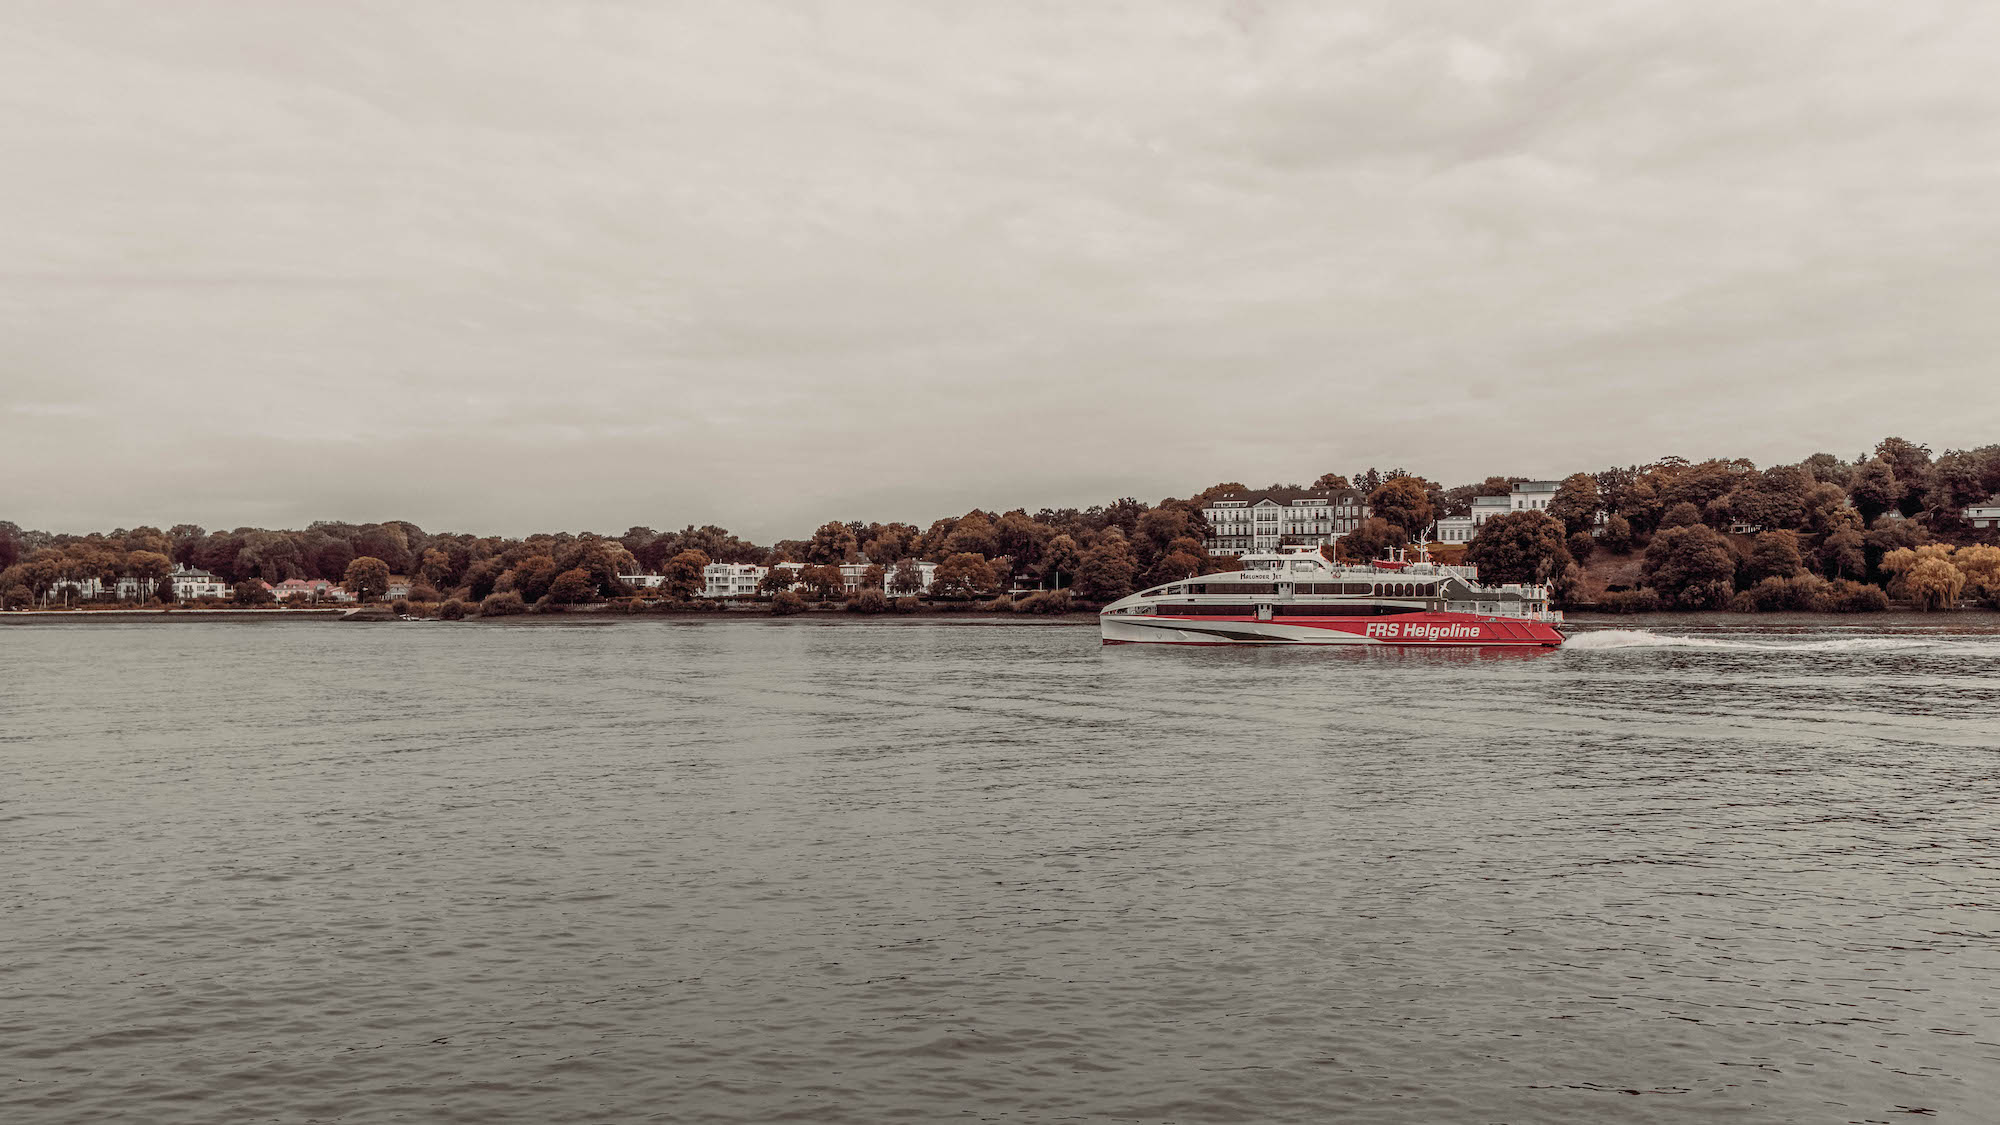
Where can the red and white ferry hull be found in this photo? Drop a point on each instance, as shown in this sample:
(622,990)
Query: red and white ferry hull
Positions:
(1455,629)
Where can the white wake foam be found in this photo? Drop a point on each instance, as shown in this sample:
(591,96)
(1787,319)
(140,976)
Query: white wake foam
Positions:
(1641,638)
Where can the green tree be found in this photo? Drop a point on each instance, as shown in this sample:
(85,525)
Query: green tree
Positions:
(907,579)
(1403,502)
(1691,566)
(366,578)
(1576,503)
(1529,547)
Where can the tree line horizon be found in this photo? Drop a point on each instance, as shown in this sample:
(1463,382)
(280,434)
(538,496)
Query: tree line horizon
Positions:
(1820,533)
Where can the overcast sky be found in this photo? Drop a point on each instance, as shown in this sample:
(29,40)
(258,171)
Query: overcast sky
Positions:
(503,267)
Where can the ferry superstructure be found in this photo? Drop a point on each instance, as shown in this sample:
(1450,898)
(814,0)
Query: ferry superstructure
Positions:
(1295,596)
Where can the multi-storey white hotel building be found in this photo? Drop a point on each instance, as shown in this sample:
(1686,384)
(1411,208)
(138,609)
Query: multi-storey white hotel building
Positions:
(1271,518)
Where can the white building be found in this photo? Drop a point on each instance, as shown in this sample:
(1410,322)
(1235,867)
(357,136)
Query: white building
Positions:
(1268,519)
(1984,515)
(1456,529)
(650,581)
(1526,496)
(314,589)
(731,580)
(1533,495)
(925,574)
(1486,507)
(744,580)
(192,582)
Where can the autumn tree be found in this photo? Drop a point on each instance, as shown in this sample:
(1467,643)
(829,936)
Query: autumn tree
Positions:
(1581,546)
(1527,547)
(1330,482)
(435,568)
(573,587)
(1981,567)
(822,582)
(481,576)
(1369,540)
(1842,554)
(1617,537)
(1681,514)
(605,560)
(1873,489)
(1933,583)
(366,578)
(530,577)
(1175,565)
(1691,566)
(831,544)
(972,534)
(1106,571)
(1825,468)
(1576,503)
(1062,556)
(149,567)
(777,580)
(906,578)
(1911,466)
(685,576)
(1774,554)
(1404,502)
(250,591)
(963,575)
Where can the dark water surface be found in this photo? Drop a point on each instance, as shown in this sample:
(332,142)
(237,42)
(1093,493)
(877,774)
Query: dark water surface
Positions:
(840,872)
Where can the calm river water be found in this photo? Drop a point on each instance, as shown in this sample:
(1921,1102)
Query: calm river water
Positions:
(761,871)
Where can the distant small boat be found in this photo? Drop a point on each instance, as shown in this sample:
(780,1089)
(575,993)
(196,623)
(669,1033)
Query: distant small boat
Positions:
(1295,596)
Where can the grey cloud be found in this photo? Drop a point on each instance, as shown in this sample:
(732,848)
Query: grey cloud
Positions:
(506,266)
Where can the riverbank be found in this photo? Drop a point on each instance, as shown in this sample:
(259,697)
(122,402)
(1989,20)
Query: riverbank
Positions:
(382,614)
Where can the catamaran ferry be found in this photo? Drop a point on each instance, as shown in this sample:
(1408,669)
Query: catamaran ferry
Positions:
(1295,596)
